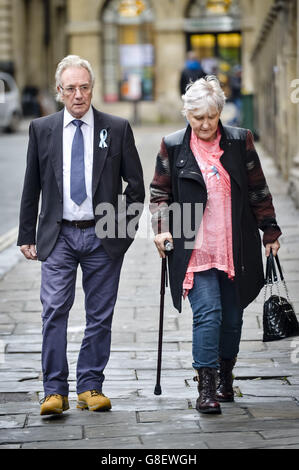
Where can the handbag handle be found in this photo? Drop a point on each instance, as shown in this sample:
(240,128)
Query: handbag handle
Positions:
(279,267)
(273,267)
(269,270)
(271,274)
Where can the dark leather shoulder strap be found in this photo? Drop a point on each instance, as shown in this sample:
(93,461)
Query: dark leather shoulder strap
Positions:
(235,133)
(175,139)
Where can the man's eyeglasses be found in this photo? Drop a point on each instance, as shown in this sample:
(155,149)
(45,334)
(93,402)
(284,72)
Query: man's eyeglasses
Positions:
(71,90)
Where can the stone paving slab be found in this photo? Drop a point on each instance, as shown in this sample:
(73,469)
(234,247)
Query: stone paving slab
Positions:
(140,429)
(262,372)
(16,375)
(244,440)
(5,319)
(249,400)
(12,421)
(182,416)
(266,408)
(285,444)
(10,446)
(32,386)
(116,443)
(160,441)
(81,418)
(276,433)
(12,409)
(34,434)
(137,403)
(7,329)
(267,388)
(281,410)
(238,424)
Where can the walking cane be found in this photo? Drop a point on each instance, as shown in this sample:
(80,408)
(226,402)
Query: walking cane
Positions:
(168,248)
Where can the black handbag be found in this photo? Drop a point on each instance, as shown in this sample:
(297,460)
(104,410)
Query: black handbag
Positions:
(279,318)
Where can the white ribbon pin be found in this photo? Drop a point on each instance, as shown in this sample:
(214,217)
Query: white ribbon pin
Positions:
(215,172)
(103,137)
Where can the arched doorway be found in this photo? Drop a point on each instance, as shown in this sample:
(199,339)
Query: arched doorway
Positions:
(213,30)
(128,50)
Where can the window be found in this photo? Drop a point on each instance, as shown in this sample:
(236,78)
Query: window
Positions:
(213,31)
(128,51)
(214,8)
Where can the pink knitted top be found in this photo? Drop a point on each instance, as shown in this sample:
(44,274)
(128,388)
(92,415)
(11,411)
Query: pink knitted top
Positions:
(213,247)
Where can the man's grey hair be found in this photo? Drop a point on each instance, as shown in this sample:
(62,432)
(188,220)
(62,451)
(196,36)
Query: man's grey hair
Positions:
(203,96)
(71,61)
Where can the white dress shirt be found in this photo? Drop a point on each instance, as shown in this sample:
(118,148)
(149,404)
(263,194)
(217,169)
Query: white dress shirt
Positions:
(70,209)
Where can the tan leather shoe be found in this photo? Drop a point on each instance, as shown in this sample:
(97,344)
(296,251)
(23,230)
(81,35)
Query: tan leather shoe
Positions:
(54,404)
(93,400)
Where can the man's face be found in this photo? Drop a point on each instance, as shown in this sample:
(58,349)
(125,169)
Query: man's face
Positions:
(76,90)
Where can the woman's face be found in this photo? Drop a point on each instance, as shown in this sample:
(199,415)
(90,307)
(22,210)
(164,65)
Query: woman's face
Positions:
(204,125)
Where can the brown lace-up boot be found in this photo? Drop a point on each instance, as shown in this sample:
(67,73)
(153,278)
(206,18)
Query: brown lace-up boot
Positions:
(206,402)
(225,392)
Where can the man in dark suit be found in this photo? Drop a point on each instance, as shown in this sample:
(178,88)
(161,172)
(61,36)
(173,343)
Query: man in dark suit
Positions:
(77,159)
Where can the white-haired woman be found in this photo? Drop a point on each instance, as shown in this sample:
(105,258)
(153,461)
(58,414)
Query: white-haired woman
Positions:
(217,167)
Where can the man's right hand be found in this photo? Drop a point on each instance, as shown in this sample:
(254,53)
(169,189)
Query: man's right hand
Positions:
(29,251)
(160,240)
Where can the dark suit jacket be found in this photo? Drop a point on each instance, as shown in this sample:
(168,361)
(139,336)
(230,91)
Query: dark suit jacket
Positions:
(119,161)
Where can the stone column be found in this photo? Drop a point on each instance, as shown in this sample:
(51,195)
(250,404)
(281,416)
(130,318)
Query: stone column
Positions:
(248,37)
(170,55)
(19,42)
(84,37)
(6,51)
(35,57)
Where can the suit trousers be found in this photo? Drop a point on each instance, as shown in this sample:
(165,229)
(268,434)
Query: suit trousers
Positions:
(217,318)
(100,280)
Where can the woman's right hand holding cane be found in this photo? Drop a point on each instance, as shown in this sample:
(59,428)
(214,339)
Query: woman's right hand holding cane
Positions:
(160,240)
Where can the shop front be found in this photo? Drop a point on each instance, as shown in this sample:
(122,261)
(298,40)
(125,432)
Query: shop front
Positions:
(213,31)
(128,51)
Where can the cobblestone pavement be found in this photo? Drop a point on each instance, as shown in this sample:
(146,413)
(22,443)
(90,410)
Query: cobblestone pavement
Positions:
(265,413)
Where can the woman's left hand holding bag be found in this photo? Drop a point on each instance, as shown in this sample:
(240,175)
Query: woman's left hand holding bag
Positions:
(274,246)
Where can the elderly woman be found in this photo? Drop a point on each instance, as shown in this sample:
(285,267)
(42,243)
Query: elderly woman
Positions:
(222,272)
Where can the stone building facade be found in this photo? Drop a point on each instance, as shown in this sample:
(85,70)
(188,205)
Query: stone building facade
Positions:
(128,39)
(271,72)
(119,45)
(32,40)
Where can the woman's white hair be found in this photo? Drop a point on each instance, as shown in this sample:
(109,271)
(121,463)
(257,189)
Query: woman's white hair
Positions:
(71,61)
(204,95)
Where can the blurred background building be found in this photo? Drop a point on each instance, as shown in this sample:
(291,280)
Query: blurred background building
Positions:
(138,49)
